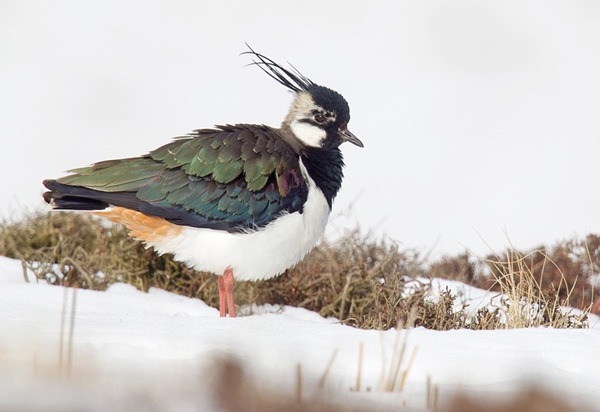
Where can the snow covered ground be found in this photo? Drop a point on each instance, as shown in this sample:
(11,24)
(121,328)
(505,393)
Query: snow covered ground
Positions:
(159,351)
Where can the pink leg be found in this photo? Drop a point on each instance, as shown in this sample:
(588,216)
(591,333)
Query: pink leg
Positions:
(222,297)
(228,284)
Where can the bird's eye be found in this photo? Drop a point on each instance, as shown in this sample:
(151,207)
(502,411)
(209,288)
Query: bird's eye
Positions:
(319,118)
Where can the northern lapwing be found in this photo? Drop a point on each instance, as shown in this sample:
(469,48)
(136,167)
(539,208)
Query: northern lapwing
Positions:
(245,202)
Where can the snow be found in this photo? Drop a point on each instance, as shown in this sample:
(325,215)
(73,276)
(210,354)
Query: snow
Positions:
(132,350)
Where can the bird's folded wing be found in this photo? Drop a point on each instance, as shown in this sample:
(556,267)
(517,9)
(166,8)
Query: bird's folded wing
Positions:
(231,178)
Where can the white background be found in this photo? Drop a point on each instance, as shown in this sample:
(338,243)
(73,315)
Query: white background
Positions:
(478,118)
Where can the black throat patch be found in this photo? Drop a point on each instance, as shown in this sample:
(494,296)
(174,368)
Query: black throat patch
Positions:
(324,166)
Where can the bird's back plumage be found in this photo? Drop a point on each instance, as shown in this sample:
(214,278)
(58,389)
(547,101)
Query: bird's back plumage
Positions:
(232,178)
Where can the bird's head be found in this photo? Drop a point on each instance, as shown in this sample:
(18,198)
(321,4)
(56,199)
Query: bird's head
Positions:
(319,116)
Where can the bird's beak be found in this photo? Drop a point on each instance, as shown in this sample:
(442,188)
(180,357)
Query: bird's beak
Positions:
(347,136)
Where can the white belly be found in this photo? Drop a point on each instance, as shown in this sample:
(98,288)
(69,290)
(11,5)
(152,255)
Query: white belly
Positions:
(260,254)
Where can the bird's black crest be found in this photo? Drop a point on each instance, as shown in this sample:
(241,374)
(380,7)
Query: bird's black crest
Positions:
(293,80)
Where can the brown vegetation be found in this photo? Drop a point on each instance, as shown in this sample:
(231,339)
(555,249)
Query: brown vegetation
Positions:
(357,279)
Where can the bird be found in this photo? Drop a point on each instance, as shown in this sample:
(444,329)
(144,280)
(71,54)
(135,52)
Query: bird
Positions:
(243,201)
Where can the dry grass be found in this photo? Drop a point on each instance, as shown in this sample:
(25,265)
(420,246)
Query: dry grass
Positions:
(236,392)
(526,302)
(567,268)
(357,279)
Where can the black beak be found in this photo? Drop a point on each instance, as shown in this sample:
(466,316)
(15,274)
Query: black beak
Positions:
(347,136)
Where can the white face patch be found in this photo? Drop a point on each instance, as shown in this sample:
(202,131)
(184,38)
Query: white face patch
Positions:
(304,109)
(309,134)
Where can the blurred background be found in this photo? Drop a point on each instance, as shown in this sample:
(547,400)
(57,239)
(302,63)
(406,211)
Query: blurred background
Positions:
(480,120)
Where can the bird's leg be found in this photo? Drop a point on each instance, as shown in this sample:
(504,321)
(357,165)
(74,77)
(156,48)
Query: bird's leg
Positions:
(222,297)
(228,285)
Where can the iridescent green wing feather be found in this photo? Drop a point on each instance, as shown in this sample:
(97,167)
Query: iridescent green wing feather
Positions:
(230,178)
